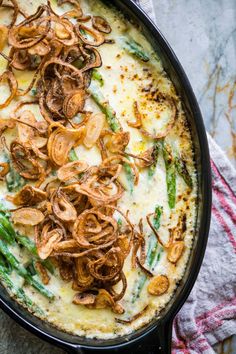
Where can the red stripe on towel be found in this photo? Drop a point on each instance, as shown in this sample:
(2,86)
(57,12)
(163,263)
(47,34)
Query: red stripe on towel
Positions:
(223,223)
(223,181)
(227,207)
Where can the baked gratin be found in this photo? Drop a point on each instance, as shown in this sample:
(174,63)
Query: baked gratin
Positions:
(98,182)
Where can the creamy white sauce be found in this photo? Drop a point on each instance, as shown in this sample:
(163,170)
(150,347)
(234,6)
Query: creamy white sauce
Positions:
(125,76)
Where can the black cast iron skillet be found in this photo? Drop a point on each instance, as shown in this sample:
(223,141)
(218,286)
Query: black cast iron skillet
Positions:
(156,336)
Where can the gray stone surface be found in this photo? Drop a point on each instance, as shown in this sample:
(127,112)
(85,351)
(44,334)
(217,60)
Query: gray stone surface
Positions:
(203,35)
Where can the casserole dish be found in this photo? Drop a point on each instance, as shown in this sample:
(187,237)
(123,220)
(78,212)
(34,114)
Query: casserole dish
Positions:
(159,327)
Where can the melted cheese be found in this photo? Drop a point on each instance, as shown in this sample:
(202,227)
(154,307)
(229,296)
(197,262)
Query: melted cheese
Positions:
(125,81)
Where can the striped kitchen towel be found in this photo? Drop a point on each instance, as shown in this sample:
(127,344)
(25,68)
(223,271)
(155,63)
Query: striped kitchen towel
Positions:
(209,314)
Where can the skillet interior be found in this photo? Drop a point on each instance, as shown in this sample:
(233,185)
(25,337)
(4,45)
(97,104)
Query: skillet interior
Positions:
(178,77)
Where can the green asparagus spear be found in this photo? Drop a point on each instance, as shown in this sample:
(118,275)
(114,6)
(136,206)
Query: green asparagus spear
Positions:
(112,121)
(134,48)
(5,235)
(4,221)
(73,156)
(183,171)
(8,233)
(23,272)
(153,254)
(157,217)
(3,263)
(27,243)
(130,177)
(14,181)
(105,107)
(170,174)
(18,292)
(98,77)
(30,246)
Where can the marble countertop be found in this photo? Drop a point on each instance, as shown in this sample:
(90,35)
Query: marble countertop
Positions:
(203,35)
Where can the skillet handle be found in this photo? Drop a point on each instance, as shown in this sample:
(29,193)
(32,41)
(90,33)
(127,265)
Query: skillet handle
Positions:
(157,341)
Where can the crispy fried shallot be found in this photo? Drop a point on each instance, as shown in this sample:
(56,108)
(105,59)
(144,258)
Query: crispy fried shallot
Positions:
(4,169)
(74,103)
(24,35)
(104,299)
(118,142)
(27,216)
(174,248)
(62,208)
(71,170)
(60,142)
(12,83)
(175,251)
(84,299)
(3,36)
(101,24)
(6,124)
(47,240)
(132,319)
(72,206)
(94,228)
(98,38)
(146,158)
(43,272)
(138,116)
(94,128)
(158,285)
(29,195)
